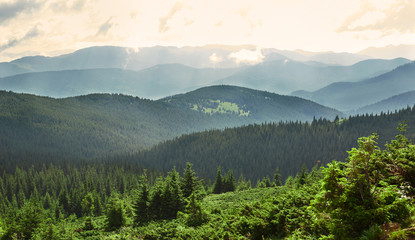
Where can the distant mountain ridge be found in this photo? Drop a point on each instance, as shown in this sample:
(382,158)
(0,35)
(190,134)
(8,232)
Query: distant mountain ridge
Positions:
(349,96)
(284,76)
(281,76)
(155,82)
(210,56)
(391,104)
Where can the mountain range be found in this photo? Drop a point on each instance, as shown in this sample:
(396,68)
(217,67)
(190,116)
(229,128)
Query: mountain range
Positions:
(284,76)
(349,96)
(162,71)
(210,56)
(399,101)
(337,80)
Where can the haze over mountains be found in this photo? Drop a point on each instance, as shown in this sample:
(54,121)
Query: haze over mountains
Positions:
(158,72)
(210,56)
(337,80)
(348,96)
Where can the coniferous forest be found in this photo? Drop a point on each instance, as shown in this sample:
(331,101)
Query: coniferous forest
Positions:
(343,179)
(200,120)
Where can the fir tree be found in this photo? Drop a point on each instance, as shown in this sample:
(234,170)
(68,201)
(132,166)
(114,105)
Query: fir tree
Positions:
(189,182)
(115,213)
(277,177)
(217,187)
(141,207)
(229,182)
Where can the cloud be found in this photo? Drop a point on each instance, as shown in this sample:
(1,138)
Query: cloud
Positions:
(247,56)
(34,32)
(163,21)
(105,27)
(9,10)
(215,58)
(189,22)
(244,13)
(395,18)
(65,5)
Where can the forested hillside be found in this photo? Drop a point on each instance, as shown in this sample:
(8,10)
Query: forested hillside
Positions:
(368,196)
(257,150)
(101,125)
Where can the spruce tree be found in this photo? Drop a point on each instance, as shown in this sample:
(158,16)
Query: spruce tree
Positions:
(277,177)
(115,213)
(156,201)
(172,196)
(141,207)
(229,182)
(217,188)
(189,182)
(196,216)
(88,205)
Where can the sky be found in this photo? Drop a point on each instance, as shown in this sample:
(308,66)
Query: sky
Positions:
(53,27)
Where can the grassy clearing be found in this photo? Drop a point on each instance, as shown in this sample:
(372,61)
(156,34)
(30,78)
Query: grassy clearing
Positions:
(217,106)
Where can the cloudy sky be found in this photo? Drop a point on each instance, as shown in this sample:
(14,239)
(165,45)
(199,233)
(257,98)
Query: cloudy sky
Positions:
(52,27)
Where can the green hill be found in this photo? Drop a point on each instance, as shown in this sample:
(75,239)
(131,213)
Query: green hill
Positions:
(100,125)
(257,150)
(256,106)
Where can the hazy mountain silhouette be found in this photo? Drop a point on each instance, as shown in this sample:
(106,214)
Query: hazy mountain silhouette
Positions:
(284,76)
(391,104)
(210,56)
(281,76)
(348,96)
(154,82)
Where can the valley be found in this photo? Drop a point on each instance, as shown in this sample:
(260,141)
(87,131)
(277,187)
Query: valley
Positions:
(162,143)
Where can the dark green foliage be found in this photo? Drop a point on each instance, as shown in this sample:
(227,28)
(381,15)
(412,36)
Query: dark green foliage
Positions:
(243,184)
(401,161)
(256,151)
(88,205)
(196,216)
(264,183)
(156,202)
(172,198)
(277,177)
(141,206)
(217,187)
(103,125)
(115,217)
(224,184)
(301,179)
(356,194)
(28,218)
(228,184)
(189,182)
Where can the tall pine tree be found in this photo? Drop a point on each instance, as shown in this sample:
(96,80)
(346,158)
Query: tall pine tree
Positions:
(141,207)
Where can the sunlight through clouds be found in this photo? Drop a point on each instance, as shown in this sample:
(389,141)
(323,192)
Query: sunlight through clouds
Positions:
(318,25)
(247,56)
